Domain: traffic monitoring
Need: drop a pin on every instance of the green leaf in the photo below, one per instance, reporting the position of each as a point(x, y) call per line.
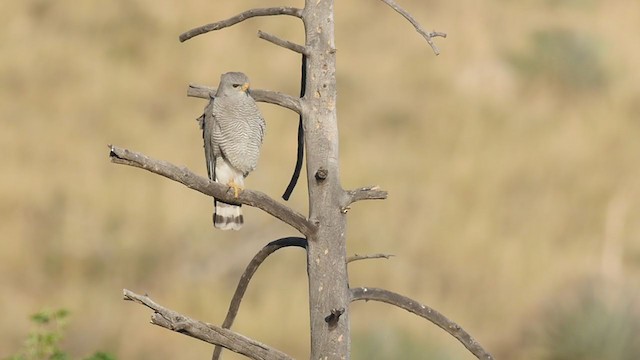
point(41, 317)
point(61, 314)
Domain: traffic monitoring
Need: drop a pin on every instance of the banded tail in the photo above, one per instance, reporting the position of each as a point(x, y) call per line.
point(227, 216)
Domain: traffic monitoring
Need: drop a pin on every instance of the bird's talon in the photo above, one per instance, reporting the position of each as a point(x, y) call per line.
point(236, 188)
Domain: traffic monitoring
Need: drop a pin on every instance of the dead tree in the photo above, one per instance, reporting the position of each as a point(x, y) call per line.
point(323, 230)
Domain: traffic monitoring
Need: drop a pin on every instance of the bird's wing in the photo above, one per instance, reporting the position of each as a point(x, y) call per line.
point(207, 124)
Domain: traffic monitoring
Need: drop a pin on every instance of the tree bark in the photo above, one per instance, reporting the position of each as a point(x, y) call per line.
point(329, 294)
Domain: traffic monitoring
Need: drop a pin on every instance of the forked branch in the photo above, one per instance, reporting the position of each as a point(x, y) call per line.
point(266, 96)
point(212, 334)
point(424, 311)
point(283, 10)
point(427, 35)
point(222, 192)
point(251, 269)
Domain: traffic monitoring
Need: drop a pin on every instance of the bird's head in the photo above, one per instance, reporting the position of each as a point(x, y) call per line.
point(233, 84)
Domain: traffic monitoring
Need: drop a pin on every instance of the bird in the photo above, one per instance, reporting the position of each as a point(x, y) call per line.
point(233, 130)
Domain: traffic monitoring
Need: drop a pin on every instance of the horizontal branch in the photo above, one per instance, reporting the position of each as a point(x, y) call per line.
point(357, 257)
point(283, 43)
point(424, 311)
point(212, 334)
point(283, 10)
point(251, 269)
point(266, 96)
point(367, 193)
point(363, 193)
point(222, 192)
point(427, 35)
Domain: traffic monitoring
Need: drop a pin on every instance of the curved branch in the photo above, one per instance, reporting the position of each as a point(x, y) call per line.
point(221, 192)
point(212, 334)
point(424, 311)
point(257, 260)
point(300, 150)
point(282, 10)
point(427, 35)
point(266, 96)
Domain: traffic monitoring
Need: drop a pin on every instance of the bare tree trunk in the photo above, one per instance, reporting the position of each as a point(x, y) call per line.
point(326, 254)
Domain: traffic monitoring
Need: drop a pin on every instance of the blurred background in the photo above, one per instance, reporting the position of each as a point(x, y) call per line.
point(511, 161)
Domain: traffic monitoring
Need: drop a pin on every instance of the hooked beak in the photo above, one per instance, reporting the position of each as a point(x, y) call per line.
point(245, 87)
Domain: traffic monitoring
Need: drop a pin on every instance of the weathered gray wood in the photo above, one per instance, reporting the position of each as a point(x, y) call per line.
point(282, 43)
point(424, 311)
point(283, 10)
point(220, 191)
point(212, 334)
point(326, 251)
point(267, 96)
point(358, 257)
point(427, 35)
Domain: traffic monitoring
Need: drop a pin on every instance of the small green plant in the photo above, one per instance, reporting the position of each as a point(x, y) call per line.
point(43, 343)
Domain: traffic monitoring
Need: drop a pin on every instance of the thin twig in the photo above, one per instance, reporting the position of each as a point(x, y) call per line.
point(251, 269)
point(282, 43)
point(222, 192)
point(357, 257)
point(427, 35)
point(266, 96)
point(282, 10)
point(212, 334)
point(424, 311)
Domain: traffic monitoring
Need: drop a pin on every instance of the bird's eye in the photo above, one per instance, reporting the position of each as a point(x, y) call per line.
point(236, 85)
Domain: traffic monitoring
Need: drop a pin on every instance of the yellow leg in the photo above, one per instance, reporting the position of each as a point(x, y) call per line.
point(236, 188)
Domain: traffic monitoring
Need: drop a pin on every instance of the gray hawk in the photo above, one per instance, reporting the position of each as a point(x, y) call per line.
point(233, 130)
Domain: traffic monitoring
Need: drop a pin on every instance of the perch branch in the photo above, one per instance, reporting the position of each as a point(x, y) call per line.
point(424, 311)
point(257, 260)
point(212, 334)
point(267, 96)
point(283, 43)
point(222, 192)
point(283, 10)
point(357, 257)
point(427, 35)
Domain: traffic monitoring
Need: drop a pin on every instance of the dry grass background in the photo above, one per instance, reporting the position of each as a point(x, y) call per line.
point(511, 161)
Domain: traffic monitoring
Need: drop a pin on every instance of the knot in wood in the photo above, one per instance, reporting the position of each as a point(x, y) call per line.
point(322, 174)
point(332, 319)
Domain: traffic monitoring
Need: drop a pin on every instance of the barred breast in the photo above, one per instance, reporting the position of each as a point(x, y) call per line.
point(239, 131)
